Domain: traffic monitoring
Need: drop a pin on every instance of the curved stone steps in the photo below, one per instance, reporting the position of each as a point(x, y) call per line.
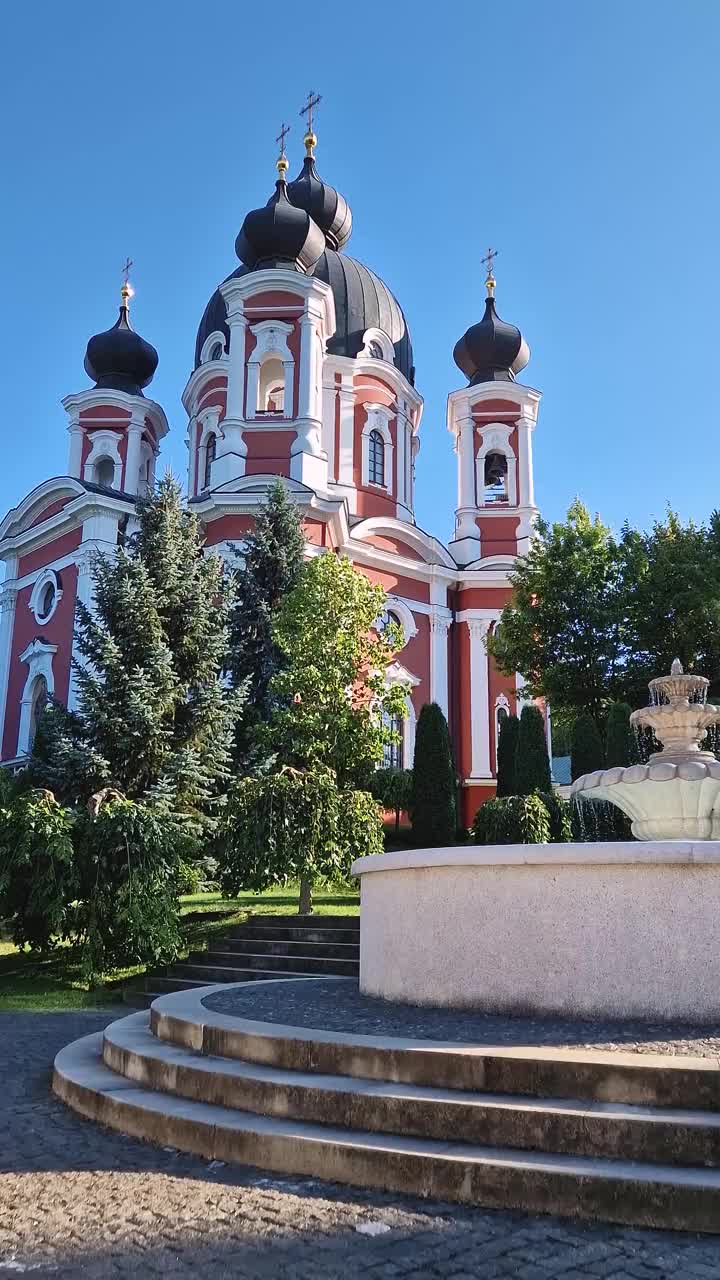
point(639, 1079)
point(552, 1125)
point(617, 1191)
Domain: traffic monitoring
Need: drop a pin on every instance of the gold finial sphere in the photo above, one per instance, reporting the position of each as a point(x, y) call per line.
point(310, 142)
point(282, 165)
point(490, 285)
point(126, 293)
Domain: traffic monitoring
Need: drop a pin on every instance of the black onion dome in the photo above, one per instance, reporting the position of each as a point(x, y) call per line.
point(119, 358)
point(279, 235)
point(491, 351)
point(362, 301)
point(325, 205)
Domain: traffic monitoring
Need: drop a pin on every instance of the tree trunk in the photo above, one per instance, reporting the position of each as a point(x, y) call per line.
point(305, 905)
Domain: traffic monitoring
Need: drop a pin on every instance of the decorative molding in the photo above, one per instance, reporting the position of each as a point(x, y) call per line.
point(39, 658)
point(394, 604)
point(380, 337)
point(378, 419)
point(211, 341)
point(46, 578)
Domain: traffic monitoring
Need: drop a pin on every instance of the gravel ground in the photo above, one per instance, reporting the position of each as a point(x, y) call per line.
point(339, 1006)
point(78, 1202)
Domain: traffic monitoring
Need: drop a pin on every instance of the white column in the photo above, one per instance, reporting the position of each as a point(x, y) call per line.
point(347, 430)
point(401, 437)
point(307, 367)
point(236, 367)
point(439, 628)
point(525, 462)
point(479, 698)
point(133, 454)
point(289, 388)
point(8, 600)
point(467, 498)
point(76, 443)
point(251, 394)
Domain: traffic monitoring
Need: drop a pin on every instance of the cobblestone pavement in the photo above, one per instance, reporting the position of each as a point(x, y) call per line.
point(338, 1006)
point(78, 1202)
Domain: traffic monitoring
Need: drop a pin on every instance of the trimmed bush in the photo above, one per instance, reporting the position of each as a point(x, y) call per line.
point(588, 753)
point(392, 788)
point(432, 800)
point(532, 763)
point(620, 746)
point(512, 820)
point(506, 753)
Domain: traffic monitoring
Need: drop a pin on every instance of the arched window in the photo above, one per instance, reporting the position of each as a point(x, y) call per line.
point(502, 711)
point(105, 473)
point(376, 458)
point(39, 702)
point(271, 385)
point(496, 478)
point(375, 350)
point(210, 452)
point(216, 353)
point(393, 751)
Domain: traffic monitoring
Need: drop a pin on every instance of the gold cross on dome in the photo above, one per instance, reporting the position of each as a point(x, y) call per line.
point(312, 101)
point(128, 263)
point(126, 291)
point(489, 262)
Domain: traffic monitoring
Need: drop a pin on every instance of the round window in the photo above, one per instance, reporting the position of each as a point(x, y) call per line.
point(47, 600)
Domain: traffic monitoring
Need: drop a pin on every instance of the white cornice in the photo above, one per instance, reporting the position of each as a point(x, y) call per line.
point(72, 516)
point(204, 373)
point(380, 369)
point(136, 406)
point(431, 550)
point(461, 403)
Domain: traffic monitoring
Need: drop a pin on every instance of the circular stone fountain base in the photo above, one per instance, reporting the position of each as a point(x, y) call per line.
point(626, 930)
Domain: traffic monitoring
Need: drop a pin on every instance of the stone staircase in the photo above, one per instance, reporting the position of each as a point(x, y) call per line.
point(263, 948)
point(621, 1137)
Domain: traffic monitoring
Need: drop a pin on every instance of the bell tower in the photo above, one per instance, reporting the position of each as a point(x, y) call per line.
point(492, 421)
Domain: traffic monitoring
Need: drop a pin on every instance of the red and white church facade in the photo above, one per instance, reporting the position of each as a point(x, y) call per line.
point(303, 369)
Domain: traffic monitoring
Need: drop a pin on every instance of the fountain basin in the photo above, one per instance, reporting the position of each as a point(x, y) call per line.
point(666, 800)
point(588, 930)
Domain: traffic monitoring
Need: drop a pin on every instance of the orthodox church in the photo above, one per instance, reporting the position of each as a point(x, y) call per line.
point(303, 369)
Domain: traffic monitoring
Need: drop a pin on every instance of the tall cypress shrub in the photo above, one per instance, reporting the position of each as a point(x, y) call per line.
point(433, 787)
point(506, 751)
point(588, 753)
point(532, 763)
point(620, 746)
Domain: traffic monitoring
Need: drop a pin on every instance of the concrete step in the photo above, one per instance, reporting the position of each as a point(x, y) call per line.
point(614, 1190)
point(274, 947)
point(639, 1079)
point(206, 974)
point(569, 1126)
point(163, 982)
point(286, 963)
point(245, 932)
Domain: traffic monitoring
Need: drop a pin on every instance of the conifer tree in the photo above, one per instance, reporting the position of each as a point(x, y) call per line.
point(532, 763)
point(154, 719)
point(269, 563)
point(588, 753)
point(506, 752)
point(434, 783)
point(620, 748)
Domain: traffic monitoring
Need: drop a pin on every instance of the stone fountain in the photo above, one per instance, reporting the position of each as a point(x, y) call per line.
point(676, 795)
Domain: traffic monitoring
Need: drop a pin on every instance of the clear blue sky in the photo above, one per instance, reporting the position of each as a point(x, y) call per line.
point(579, 138)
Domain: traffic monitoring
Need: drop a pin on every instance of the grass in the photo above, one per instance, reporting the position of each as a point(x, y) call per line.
point(42, 985)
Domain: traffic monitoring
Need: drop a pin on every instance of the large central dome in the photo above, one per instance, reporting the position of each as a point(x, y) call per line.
point(362, 301)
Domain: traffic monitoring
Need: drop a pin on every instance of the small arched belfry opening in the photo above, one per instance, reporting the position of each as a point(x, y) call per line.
point(210, 455)
point(495, 476)
point(271, 386)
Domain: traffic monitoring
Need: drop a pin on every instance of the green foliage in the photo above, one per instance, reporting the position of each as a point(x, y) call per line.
point(332, 703)
point(39, 877)
point(102, 878)
point(560, 817)
point(294, 826)
point(434, 783)
point(562, 629)
point(392, 788)
point(512, 820)
point(155, 720)
point(506, 755)
point(620, 745)
point(269, 563)
point(588, 753)
point(532, 763)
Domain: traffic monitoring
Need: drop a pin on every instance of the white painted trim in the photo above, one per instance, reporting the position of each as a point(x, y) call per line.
point(39, 658)
point(440, 623)
point(383, 341)
point(212, 340)
point(496, 439)
point(502, 703)
point(100, 397)
point(479, 696)
point(396, 604)
point(46, 577)
point(104, 444)
point(377, 419)
point(8, 602)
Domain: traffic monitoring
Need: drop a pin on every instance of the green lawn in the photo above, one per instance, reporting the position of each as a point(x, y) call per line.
point(41, 985)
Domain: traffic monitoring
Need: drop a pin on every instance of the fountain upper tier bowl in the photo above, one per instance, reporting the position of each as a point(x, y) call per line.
point(676, 796)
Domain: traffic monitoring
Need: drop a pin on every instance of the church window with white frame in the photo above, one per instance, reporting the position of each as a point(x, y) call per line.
point(376, 458)
point(496, 478)
point(210, 453)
